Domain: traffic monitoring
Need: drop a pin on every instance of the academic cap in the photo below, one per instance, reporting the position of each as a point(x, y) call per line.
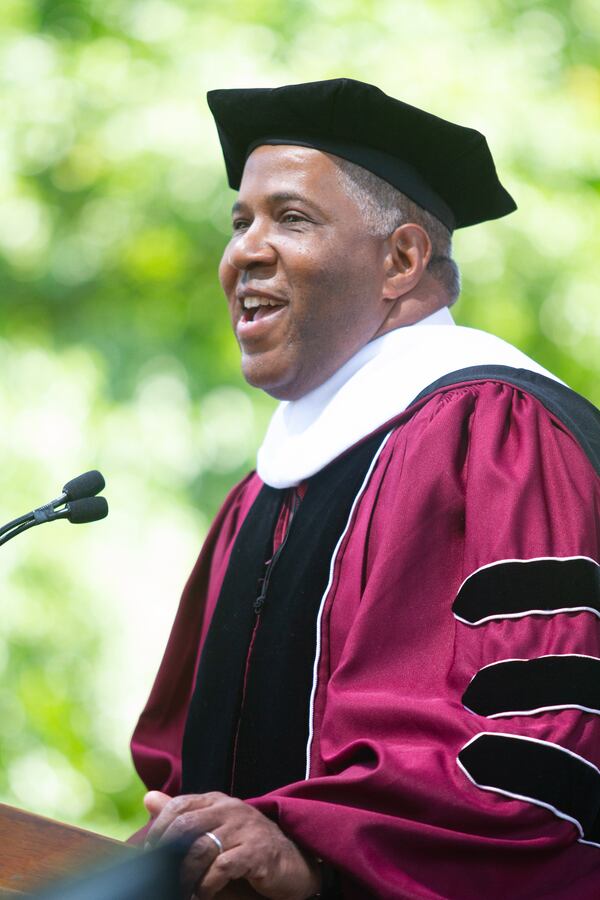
point(445, 168)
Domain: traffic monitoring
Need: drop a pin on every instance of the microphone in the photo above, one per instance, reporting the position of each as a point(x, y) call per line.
point(78, 501)
point(88, 509)
point(87, 485)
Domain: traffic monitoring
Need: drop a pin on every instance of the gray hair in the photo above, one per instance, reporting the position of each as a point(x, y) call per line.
point(384, 208)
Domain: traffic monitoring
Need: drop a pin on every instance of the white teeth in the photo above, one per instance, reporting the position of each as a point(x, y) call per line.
point(253, 301)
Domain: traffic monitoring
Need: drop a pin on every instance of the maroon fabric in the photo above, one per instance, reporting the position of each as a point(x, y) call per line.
point(291, 502)
point(473, 475)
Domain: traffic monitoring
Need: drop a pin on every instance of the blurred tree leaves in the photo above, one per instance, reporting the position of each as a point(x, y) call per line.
point(115, 347)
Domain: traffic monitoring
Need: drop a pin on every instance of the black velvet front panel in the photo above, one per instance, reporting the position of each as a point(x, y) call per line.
point(209, 738)
point(272, 722)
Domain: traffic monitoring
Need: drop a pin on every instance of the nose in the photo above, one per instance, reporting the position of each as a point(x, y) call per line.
point(251, 249)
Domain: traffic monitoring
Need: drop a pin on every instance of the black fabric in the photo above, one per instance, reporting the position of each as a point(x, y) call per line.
point(538, 772)
point(575, 412)
point(513, 588)
point(391, 169)
point(445, 168)
point(209, 739)
point(271, 718)
point(331, 887)
point(524, 685)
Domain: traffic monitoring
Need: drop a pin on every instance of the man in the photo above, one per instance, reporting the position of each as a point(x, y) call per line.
point(383, 677)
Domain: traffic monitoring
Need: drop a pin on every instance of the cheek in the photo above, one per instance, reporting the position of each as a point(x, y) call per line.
point(330, 286)
point(339, 311)
point(227, 274)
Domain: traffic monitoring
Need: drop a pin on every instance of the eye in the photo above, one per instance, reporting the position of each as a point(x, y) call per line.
point(238, 224)
point(293, 217)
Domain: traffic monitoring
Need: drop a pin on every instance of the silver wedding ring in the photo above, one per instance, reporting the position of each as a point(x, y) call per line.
point(215, 841)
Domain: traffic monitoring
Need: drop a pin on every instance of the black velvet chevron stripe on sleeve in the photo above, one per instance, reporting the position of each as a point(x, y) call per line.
point(538, 772)
point(514, 588)
point(526, 686)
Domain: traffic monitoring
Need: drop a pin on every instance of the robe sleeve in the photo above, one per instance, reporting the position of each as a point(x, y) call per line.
point(456, 741)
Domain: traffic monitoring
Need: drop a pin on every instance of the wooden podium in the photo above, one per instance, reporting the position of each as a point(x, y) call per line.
point(35, 851)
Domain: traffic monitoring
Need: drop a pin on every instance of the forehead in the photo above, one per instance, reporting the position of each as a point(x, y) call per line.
point(269, 168)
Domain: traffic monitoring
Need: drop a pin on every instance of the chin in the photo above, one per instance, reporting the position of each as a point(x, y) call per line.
point(279, 382)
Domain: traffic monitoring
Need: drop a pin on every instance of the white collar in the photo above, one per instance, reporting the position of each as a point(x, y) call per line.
point(375, 385)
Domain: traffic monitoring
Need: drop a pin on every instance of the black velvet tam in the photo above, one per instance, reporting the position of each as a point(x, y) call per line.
point(445, 168)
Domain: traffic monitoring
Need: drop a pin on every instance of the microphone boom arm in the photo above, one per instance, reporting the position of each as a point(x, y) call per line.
point(17, 531)
point(78, 499)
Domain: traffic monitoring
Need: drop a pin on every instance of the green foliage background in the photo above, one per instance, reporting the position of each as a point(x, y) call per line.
point(114, 341)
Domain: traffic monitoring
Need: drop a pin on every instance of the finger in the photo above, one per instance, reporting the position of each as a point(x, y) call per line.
point(189, 826)
point(228, 866)
point(154, 801)
point(175, 807)
point(200, 856)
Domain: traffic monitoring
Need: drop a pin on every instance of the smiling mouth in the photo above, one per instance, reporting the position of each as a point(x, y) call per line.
point(255, 308)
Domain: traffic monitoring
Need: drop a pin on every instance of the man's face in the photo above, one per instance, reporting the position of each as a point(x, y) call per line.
point(299, 249)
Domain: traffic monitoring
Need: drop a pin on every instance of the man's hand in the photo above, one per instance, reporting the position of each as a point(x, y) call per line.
point(254, 847)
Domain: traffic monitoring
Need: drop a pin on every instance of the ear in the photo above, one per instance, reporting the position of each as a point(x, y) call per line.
point(409, 252)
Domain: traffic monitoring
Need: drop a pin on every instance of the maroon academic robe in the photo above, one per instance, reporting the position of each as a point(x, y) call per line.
point(471, 478)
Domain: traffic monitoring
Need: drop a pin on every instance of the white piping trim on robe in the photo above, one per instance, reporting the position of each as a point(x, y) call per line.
point(523, 797)
point(527, 612)
point(311, 708)
point(533, 712)
point(376, 384)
